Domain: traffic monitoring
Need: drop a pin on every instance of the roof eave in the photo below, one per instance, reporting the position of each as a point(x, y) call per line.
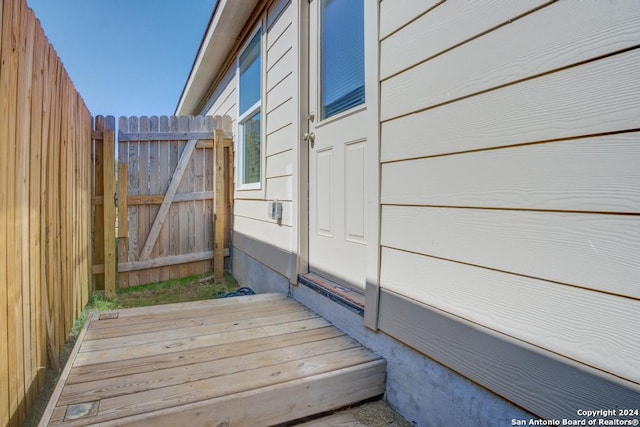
point(227, 21)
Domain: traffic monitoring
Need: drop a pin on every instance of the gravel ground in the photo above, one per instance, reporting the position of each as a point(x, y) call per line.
point(376, 413)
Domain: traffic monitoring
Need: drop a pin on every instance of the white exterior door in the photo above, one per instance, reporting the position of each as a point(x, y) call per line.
point(337, 142)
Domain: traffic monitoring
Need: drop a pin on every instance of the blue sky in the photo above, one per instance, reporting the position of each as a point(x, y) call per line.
point(126, 57)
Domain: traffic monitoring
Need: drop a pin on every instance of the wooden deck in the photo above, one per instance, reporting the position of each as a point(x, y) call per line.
point(257, 360)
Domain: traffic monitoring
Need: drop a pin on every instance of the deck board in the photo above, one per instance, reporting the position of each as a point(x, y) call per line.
point(233, 360)
point(198, 318)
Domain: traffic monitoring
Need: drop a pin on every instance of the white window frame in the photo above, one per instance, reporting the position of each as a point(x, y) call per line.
point(242, 118)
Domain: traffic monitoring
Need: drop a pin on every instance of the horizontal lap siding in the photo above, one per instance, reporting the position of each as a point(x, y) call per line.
point(280, 116)
point(251, 210)
point(399, 12)
point(536, 177)
point(280, 140)
point(280, 104)
point(281, 91)
point(500, 301)
point(594, 98)
point(280, 188)
point(573, 33)
point(442, 28)
point(280, 164)
point(226, 102)
point(565, 247)
point(509, 177)
point(597, 251)
point(264, 231)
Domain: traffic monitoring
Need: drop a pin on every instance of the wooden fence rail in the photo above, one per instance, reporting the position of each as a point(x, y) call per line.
point(45, 134)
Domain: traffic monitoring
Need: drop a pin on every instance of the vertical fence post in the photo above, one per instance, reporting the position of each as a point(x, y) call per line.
point(109, 181)
point(97, 218)
point(220, 215)
point(229, 188)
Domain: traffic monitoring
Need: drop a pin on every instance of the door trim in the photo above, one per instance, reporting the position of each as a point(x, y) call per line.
point(372, 204)
point(372, 134)
point(302, 181)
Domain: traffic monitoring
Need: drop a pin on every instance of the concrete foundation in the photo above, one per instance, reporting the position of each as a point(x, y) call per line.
point(249, 272)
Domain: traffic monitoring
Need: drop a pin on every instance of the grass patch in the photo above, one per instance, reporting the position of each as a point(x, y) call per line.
point(192, 288)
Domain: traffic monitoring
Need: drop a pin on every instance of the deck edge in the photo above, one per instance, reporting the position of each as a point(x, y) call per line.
point(371, 374)
point(57, 391)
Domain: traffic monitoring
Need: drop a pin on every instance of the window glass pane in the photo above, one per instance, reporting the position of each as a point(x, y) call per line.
point(251, 149)
point(250, 74)
point(342, 41)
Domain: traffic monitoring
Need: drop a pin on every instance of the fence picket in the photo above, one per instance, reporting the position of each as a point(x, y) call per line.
point(199, 205)
point(123, 239)
point(98, 191)
point(174, 211)
point(109, 208)
point(184, 123)
point(169, 198)
point(14, 329)
point(208, 186)
point(154, 274)
point(219, 212)
point(133, 180)
point(163, 185)
point(44, 195)
point(176, 182)
point(191, 205)
point(143, 189)
point(36, 196)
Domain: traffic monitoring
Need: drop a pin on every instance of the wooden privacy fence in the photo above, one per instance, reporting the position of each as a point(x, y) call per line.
point(173, 174)
point(44, 208)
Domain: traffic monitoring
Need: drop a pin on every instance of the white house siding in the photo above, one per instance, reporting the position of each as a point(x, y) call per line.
point(510, 191)
point(226, 98)
point(255, 234)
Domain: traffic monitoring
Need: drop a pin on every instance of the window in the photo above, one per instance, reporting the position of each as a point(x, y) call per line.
point(249, 123)
point(342, 38)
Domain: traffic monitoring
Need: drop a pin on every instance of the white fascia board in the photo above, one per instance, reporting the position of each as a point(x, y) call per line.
point(223, 31)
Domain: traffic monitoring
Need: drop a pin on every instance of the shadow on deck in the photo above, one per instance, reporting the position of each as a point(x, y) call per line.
point(255, 360)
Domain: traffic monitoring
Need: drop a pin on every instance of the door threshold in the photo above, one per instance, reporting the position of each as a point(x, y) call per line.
point(335, 292)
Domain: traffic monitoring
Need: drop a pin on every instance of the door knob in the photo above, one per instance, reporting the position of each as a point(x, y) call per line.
point(310, 138)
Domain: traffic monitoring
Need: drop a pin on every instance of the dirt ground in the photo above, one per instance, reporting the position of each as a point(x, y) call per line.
point(33, 417)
